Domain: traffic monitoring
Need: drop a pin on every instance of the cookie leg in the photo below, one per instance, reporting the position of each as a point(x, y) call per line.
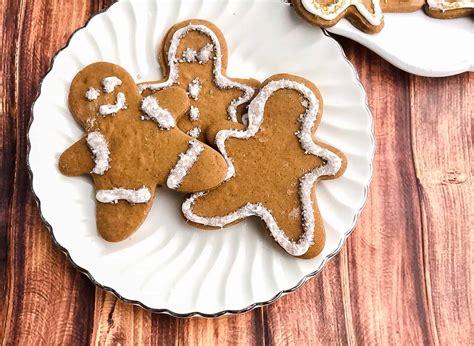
point(288, 214)
point(117, 222)
point(213, 209)
point(76, 160)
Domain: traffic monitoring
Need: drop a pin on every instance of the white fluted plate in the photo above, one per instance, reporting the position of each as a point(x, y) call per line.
point(419, 44)
point(167, 265)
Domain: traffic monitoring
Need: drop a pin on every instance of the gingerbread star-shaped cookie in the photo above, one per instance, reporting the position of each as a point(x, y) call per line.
point(274, 165)
point(194, 57)
point(132, 146)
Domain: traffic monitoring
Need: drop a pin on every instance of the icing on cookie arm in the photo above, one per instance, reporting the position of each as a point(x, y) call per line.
point(77, 160)
point(191, 172)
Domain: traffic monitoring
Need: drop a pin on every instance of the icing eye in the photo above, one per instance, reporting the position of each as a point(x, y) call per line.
point(189, 55)
point(204, 54)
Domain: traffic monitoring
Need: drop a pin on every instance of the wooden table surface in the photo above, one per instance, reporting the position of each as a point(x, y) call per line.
point(405, 276)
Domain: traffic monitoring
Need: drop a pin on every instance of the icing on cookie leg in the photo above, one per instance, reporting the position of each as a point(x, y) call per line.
point(194, 57)
point(132, 196)
point(273, 167)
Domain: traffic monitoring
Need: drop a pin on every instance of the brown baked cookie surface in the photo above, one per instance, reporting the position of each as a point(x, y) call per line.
point(366, 15)
point(194, 57)
point(131, 146)
point(448, 9)
point(274, 165)
point(400, 6)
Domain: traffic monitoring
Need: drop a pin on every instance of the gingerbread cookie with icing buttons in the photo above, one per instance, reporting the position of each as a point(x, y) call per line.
point(132, 145)
point(274, 165)
point(364, 14)
point(447, 9)
point(194, 57)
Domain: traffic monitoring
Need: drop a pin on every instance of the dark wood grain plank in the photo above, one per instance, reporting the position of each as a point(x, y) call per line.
point(9, 37)
point(375, 291)
point(442, 111)
point(245, 329)
point(313, 315)
point(388, 292)
point(45, 300)
point(118, 322)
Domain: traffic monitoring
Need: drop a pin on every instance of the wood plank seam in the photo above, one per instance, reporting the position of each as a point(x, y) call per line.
point(426, 281)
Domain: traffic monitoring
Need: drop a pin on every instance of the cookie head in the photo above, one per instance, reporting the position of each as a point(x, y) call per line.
point(196, 42)
point(98, 85)
point(194, 57)
point(274, 166)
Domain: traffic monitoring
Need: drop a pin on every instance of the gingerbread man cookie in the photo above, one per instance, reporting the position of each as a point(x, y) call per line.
point(194, 57)
point(273, 166)
point(446, 9)
point(132, 146)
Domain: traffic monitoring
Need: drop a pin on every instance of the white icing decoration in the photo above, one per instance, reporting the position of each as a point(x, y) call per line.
point(334, 10)
point(194, 113)
point(100, 149)
point(139, 196)
point(204, 54)
point(92, 94)
point(112, 109)
point(219, 79)
point(202, 57)
point(194, 132)
point(161, 116)
point(185, 163)
point(330, 168)
point(448, 6)
point(194, 89)
point(189, 55)
point(109, 84)
point(245, 119)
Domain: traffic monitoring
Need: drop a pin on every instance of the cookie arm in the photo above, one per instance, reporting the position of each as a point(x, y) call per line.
point(76, 160)
point(208, 171)
point(173, 99)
